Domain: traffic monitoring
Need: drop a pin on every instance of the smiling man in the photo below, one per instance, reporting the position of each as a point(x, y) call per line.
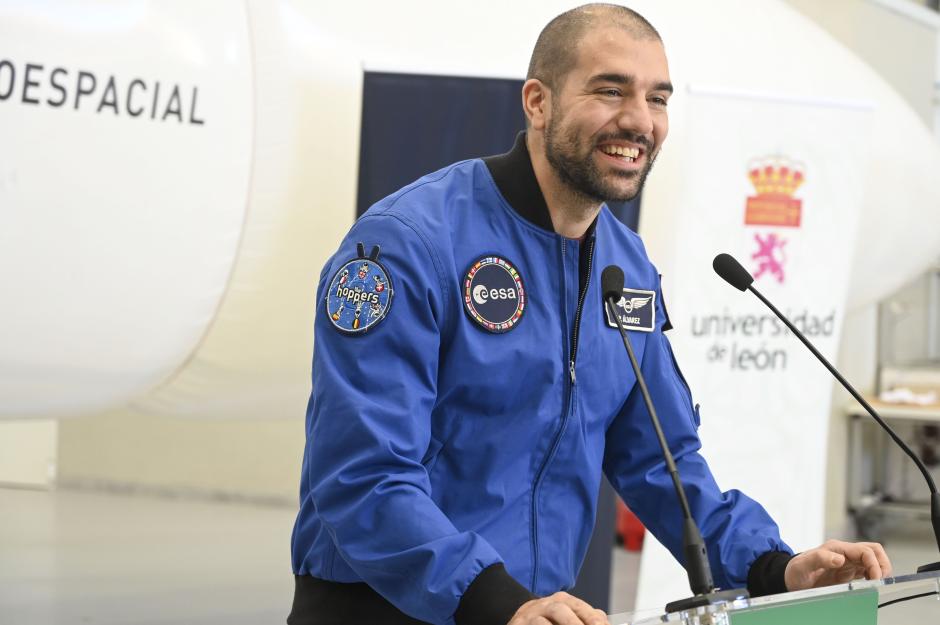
point(469, 392)
point(598, 137)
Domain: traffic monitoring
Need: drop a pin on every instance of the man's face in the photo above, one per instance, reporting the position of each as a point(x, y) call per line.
point(608, 118)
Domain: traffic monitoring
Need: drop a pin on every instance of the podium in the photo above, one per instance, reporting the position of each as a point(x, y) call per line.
point(855, 603)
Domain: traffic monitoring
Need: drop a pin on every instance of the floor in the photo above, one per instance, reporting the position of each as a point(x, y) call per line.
point(81, 558)
point(84, 558)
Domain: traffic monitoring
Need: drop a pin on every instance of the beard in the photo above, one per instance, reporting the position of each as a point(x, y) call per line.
point(573, 161)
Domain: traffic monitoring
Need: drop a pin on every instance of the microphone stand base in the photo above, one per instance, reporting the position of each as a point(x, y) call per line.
point(929, 567)
point(710, 598)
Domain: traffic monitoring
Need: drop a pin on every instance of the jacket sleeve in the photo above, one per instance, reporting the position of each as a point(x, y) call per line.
point(736, 529)
point(369, 428)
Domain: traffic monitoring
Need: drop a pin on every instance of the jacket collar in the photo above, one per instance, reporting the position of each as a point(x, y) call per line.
point(514, 177)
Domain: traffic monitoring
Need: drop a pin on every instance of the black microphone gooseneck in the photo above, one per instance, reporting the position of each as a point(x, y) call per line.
point(737, 276)
point(696, 556)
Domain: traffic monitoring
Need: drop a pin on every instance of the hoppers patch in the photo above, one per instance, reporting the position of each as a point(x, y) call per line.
point(493, 294)
point(360, 294)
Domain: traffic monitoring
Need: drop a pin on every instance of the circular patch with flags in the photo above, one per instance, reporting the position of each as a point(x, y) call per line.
point(493, 294)
point(360, 295)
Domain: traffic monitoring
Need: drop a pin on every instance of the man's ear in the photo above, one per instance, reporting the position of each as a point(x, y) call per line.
point(536, 103)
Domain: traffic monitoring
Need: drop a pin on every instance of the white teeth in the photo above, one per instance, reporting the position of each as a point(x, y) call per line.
point(630, 154)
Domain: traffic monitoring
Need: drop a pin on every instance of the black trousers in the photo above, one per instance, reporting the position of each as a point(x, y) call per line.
point(321, 602)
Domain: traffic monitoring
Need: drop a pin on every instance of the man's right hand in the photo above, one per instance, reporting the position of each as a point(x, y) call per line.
point(558, 609)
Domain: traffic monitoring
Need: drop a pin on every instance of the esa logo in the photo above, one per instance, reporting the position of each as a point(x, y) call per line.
point(493, 294)
point(482, 294)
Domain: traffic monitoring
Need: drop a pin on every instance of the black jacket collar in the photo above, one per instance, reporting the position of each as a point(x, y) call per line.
point(516, 180)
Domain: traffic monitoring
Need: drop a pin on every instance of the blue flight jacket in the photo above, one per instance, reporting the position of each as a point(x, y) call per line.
point(437, 448)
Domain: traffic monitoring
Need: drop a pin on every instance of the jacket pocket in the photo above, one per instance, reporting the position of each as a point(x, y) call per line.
point(693, 407)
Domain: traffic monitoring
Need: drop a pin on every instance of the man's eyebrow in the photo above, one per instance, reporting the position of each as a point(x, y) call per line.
point(663, 86)
point(627, 79)
point(617, 79)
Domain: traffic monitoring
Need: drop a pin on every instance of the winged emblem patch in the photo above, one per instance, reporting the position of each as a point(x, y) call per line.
point(629, 305)
point(636, 309)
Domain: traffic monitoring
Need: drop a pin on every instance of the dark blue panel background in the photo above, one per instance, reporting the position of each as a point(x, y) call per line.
point(414, 124)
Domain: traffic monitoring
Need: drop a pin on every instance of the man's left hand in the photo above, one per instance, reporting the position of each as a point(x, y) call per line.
point(837, 562)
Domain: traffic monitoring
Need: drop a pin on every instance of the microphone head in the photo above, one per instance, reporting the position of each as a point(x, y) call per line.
point(612, 282)
point(732, 272)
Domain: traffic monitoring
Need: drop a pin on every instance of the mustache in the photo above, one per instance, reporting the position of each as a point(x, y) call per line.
point(630, 137)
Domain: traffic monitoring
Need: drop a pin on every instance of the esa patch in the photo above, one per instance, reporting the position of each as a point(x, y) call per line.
point(360, 294)
point(493, 294)
point(636, 309)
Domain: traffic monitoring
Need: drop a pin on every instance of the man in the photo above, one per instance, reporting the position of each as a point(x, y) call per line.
point(457, 434)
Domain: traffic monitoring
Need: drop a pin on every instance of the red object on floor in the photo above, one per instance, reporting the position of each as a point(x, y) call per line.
point(629, 527)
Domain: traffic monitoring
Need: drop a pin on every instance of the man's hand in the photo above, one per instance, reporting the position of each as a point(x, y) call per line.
point(837, 562)
point(558, 609)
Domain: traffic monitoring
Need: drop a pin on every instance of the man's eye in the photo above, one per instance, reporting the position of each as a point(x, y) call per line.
point(613, 93)
point(659, 100)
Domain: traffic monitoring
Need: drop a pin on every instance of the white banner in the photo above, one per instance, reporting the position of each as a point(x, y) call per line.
point(775, 182)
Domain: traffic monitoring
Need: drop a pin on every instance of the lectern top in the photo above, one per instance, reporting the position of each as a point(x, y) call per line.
point(886, 589)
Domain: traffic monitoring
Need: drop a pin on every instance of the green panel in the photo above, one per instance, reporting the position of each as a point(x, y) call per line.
point(859, 607)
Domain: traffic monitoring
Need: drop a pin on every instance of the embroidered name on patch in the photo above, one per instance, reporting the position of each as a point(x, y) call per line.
point(493, 294)
point(636, 309)
point(360, 294)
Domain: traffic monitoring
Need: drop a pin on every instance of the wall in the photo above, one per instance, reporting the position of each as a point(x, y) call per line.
point(28, 453)
point(902, 49)
point(255, 460)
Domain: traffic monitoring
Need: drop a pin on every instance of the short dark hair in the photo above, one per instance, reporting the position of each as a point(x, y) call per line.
point(555, 51)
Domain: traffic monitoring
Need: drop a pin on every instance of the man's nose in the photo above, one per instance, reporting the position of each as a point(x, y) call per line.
point(635, 117)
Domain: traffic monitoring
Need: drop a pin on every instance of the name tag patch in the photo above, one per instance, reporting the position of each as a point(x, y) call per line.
point(636, 309)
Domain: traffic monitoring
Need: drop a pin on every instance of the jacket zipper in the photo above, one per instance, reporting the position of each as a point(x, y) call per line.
point(565, 415)
point(577, 314)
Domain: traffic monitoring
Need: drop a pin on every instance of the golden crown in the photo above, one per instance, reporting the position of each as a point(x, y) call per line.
point(776, 176)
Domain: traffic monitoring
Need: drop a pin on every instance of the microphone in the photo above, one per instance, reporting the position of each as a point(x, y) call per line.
point(737, 276)
point(696, 557)
point(732, 272)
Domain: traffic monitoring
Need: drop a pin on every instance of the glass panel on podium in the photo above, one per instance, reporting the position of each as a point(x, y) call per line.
point(855, 603)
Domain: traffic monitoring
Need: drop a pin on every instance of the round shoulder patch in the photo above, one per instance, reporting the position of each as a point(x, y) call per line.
point(493, 294)
point(360, 295)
